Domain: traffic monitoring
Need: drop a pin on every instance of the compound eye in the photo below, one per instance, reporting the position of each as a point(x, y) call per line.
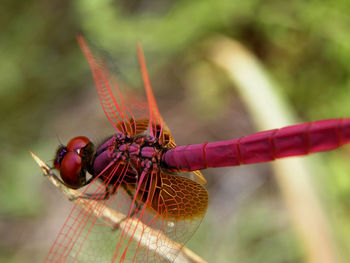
point(70, 170)
point(77, 143)
point(73, 161)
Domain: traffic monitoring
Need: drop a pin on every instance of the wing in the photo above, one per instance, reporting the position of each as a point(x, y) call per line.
point(132, 114)
point(174, 196)
point(173, 206)
point(79, 231)
point(128, 117)
point(158, 128)
point(163, 209)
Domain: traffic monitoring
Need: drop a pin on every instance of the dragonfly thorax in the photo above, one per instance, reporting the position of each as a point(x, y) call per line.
point(137, 151)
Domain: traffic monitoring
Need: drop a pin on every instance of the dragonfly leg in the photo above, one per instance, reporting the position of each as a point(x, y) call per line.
point(95, 197)
point(109, 191)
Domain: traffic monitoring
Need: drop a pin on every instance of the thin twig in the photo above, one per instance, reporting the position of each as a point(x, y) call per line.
point(141, 233)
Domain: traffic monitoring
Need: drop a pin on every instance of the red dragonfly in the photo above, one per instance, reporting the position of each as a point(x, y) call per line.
point(140, 172)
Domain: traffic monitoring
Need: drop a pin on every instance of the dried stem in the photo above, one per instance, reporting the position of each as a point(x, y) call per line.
point(138, 231)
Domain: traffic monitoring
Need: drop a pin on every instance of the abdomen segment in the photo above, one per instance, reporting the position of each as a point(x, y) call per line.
point(300, 139)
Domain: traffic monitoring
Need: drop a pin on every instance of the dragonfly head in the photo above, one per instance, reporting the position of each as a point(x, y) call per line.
point(74, 160)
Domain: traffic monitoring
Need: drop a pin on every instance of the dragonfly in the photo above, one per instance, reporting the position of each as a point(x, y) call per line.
point(140, 172)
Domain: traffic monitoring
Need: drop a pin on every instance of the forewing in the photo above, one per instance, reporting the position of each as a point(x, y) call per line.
point(140, 126)
point(123, 112)
point(158, 127)
point(128, 112)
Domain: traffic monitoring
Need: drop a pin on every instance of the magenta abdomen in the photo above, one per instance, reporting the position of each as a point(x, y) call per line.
point(300, 139)
point(257, 148)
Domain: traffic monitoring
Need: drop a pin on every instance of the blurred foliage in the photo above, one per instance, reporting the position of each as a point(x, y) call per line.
point(305, 46)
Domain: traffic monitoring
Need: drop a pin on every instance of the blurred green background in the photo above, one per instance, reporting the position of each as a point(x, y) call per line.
point(47, 95)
